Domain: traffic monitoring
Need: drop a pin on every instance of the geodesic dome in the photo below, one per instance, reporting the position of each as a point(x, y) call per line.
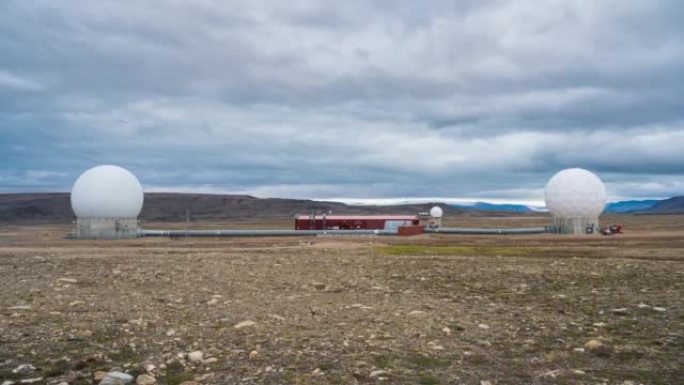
point(107, 192)
point(575, 193)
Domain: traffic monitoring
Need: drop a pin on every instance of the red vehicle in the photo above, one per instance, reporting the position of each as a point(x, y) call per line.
point(354, 222)
point(611, 229)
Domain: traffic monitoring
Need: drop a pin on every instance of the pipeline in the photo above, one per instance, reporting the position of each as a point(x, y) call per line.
point(464, 230)
point(311, 233)
point(259, 233)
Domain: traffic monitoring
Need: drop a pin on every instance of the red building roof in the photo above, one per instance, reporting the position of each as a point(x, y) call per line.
point(360, 217)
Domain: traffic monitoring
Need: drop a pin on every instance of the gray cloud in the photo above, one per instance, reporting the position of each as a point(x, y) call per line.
point(356, 99)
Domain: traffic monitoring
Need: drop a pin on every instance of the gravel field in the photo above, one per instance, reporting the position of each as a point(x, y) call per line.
point(419, 310)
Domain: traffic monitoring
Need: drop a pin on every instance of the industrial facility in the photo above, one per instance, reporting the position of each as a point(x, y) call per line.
point(354, 222)
point(107, 201)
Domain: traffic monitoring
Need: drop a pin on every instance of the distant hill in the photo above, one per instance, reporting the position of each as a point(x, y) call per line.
point(170, 206)
point(27, 207)
point(175, 207)
point(630, 206)
point(56, 207)
point(484, 206)
point(668, 206)
point(612, 207)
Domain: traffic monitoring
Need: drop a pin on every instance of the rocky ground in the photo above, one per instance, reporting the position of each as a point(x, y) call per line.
point(425, 310)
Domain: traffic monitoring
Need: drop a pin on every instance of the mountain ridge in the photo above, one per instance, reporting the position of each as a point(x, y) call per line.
point(674, 205)
point(628, 206)
point(486, 206)
point(179, 206)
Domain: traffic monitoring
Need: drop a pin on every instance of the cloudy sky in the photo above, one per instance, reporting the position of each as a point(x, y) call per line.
point(344, 99)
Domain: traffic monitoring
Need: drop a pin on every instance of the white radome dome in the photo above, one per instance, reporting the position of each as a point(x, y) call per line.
point(575, 193)
point(436, 212)
point(107, 192)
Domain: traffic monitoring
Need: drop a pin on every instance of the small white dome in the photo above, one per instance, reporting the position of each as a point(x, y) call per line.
point(107, 192)
point(436, 212)
point(575, 193)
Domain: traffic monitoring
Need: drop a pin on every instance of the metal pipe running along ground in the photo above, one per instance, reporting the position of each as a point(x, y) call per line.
point(509, 231)
point(311, 233)
point(259, 233)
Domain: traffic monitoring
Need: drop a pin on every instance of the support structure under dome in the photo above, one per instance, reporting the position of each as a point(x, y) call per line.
point(106, 228)
point(583, 225)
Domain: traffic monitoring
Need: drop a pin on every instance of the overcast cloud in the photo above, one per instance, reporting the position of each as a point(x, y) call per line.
point(351, 99)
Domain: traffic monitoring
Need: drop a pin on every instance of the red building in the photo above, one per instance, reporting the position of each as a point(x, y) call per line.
point(354, 222)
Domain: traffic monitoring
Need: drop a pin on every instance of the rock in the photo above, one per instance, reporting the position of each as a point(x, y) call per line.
point(578, 372)
point(253, 354)
point(20, 307)
point(361, 364)
point(318, 372)
point(170, 333)
point(620, 311)
point(318, 285)
point(245, 324)
point(212, 302)
point(189, 383)
point(98, 376)
point(378, 374)
point(643, 306)
point(31, 380)
point(23, 369)
point(150, 368)
point(7, 382)
point(659, 309)
point(483, 326)
point(145, 379)
point(550, 374)
point(195, 356)
point(71, 338)
point(417, 313)
point(204, 377)
point(597, 347)
point(485, 383)
point(117, 378)
point(446, 330)
point(76, 303)
point(592, 345)
point(210, 360)
point(67, 280)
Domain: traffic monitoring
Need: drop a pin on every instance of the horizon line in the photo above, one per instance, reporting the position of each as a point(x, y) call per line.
point(363, 201)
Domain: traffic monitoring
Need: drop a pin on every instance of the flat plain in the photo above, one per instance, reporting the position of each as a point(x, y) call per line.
point(429, 309)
